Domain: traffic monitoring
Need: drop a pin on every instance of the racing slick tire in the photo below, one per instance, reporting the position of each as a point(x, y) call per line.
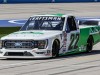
point(55, 48)
point(89, 46)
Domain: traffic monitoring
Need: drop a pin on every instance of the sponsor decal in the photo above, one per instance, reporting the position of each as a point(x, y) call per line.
point(18, 44)
point(65, 38)
point(48, 52)
point(82, 47)
point(64, 42)
point(94, 30)
point(64, 50)
point(61, 36)
point(28, 33)
point(45, 18)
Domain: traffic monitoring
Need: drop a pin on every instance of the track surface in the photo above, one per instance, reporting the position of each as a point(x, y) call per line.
point(78, 64)
point(23, 11)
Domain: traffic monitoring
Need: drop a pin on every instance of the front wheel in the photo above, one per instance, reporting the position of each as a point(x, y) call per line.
point(89, 44)
point(55, 49)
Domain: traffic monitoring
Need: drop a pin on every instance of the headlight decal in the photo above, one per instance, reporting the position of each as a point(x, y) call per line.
point(40, 44)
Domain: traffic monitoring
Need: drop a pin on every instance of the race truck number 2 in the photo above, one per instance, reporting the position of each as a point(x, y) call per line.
point(74, 38)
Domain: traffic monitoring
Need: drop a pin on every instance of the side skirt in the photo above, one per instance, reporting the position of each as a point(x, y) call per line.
point(72, 52)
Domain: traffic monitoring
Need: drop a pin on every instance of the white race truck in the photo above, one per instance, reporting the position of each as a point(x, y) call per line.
point(45, 36)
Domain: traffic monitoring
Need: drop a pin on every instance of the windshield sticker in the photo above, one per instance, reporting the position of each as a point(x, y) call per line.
point(45, 18)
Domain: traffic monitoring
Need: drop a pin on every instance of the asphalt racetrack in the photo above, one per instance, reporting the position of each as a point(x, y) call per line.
point(77, 64)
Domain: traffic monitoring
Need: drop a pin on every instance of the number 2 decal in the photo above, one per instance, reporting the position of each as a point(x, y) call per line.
point(74, 40)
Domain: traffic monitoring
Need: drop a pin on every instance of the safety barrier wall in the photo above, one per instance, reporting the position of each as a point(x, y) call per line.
point(1, 1)
point(45, 1)
point(26, 1)
point(76, 1)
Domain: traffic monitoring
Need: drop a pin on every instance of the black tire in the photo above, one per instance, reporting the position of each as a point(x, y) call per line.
point(89, 44)
point(55, 49)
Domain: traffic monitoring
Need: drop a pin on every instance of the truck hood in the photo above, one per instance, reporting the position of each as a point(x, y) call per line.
point(31, 34)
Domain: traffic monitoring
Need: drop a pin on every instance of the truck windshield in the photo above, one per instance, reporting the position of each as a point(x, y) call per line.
point(44, 23)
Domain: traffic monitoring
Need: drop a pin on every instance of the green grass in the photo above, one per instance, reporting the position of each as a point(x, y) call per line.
point(7, 30)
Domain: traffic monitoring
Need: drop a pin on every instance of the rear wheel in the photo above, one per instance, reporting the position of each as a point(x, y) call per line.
point(55, 49)
point(89, 44)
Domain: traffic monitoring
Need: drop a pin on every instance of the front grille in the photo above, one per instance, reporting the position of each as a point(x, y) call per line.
point(18, 54)
point(18, 44)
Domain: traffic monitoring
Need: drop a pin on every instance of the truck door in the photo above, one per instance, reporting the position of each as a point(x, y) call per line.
point(73, 32)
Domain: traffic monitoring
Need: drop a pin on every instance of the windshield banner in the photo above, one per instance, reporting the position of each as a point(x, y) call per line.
point(45, 18)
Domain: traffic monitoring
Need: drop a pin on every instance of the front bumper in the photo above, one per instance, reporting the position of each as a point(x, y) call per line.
point(34, 53)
